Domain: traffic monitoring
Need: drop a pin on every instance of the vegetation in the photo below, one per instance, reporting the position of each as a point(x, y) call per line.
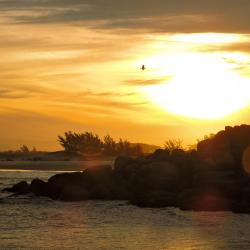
point(23, 153)
point(89, 143)
point(171, 145)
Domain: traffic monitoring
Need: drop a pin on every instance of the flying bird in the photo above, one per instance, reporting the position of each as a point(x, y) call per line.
point(143, 67)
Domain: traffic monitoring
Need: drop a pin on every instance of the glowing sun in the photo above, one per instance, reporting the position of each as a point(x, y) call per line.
point(202, 86)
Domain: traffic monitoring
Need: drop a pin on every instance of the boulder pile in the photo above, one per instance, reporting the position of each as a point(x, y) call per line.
point(215, 177)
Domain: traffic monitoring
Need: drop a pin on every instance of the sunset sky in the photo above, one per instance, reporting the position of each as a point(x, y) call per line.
point(75, 65)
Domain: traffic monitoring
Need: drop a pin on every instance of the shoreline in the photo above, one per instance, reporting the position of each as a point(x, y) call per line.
point(51, 165)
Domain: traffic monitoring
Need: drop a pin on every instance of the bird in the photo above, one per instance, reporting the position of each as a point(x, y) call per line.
point(143, 67)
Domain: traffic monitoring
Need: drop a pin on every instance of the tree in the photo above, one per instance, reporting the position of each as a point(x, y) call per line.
point(123, 147)
point(172, 145)
point(109, 145)
point(79, 143)
point(24, 149)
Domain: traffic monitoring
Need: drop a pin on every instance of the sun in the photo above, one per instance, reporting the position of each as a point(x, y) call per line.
point(201, 86)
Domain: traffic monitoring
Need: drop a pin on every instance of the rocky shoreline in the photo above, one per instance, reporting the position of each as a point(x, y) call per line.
point(211, 178)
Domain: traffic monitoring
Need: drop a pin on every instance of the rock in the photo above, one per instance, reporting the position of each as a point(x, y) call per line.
point(155, 199)
point(241, 207)
point(19, 188)
point(73, 193)
point(101, 192)
point(67, 179)
point(161, 176)
point(98, 174)
point(58, 182)
point(39, 187)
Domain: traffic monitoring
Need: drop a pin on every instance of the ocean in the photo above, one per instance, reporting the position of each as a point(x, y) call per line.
point(28, 222)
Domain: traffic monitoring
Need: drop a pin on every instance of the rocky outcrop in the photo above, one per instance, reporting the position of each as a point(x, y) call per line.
point(212, 178)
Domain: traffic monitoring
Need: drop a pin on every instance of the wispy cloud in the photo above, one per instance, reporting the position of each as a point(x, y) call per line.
point(142, 15)
point(11, 94)
point(90, 93)
point(156, 81)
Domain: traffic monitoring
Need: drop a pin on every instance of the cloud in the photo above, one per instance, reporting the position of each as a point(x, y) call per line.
point(139, 82)
point(90, 93)
point(239, 47)
point(144, 15)
point(12, 94)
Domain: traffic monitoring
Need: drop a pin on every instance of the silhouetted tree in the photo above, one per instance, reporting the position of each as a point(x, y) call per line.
point(123, 147)
point(109, 145)
point(79, 143)
point(172, 145)
point(24, 149)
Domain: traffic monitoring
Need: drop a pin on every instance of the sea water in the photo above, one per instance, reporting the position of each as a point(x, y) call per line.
point(36, 222)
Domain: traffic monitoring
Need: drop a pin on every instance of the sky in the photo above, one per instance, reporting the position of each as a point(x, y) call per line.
point(76, 65)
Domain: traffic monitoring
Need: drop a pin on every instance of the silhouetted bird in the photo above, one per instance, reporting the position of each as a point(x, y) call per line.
point(143, 67)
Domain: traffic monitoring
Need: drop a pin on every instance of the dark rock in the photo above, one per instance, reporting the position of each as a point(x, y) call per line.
point(66, 179)
point(19, 188)
point(241, 207)
point(155, 199)
point(39, 187)
point(101, 192)
point(98, 174)
point(73, 193)
point(162, 175)
point(59, 181)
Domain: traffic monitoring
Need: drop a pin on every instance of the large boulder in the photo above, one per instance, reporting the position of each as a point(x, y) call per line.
point(66, 179)
point(39, 187)
point(73, 193)
point(161, 175)
point(59, 181)
point(97, 181)
point(98, 175)
point(226, 148)
point(101, 192)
